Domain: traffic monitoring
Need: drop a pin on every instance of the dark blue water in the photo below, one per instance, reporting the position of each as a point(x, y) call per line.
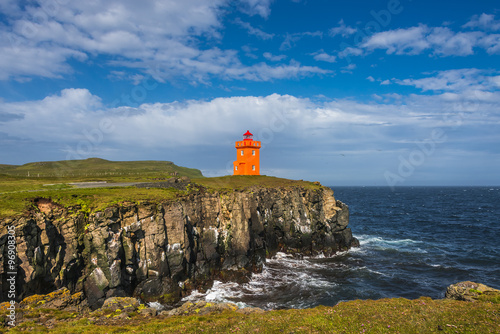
point(415, 241)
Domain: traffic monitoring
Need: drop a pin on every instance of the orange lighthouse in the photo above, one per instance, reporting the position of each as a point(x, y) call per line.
point(247, 156)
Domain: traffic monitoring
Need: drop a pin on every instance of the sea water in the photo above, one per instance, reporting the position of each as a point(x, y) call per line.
point(415, 241)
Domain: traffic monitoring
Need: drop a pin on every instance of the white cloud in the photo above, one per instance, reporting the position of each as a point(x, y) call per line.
point(256, 7)
point(271, 57)
point(440, 41)
point(342, 29)
point(140, 31)
point(495, 80)
point(291, 39)
point(10, 7)
point(73, 118)
point(483, 21)
point(299, 132)
point(264, 72)
point(55, 118)
point(253, 31)
point(162, 38)
point(446, 42)
point(349, 68)
point(21, 62)
point(460, 80)
point(399, 41)
point(75, 114)
point(491, 43)
point(323, 56)
point(350, 51)
point(370, 78)
point(249, 51)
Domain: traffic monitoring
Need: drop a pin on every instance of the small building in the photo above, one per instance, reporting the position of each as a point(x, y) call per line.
point(247, 156)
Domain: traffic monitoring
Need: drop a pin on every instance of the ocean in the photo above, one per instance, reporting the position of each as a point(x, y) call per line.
point(415, 241)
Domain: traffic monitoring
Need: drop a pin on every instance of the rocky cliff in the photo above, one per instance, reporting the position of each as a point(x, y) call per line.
point(159, 251)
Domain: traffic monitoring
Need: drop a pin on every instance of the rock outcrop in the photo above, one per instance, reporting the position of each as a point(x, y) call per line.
point(159, 251)
point(470, 291)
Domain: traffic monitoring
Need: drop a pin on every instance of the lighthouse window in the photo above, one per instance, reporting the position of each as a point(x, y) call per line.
point(241, 152)
point(253, 152)
point(235, 167)
point(253, 167)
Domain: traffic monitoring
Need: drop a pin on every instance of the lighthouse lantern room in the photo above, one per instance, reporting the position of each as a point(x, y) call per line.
point(247, 156)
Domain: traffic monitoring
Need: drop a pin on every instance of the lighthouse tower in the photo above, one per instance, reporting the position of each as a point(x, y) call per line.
point(247, 156)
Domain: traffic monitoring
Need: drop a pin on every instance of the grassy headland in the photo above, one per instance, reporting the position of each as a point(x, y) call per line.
point(20, 185)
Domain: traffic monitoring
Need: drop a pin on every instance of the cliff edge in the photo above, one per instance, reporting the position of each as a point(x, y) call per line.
point(161, 250)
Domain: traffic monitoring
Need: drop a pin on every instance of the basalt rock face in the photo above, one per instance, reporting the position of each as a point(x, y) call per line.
point(158, 251)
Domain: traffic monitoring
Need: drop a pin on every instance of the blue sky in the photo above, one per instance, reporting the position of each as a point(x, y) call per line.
point(382, 93)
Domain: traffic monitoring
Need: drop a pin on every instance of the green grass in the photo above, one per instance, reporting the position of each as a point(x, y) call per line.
point(88, 199)
point(397, 315)
point(241, 182)
point(20, 185)
point(17, 194)
point(98, 169)
point(51, 180)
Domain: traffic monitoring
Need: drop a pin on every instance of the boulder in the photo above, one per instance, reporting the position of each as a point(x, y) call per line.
point(125, 304)
point(201, 308)
point(164, 291)
point(58, 299)
point(470, 291)
point(148, 312)
point(95, 287)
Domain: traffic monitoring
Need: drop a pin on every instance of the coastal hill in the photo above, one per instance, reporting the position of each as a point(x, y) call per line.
point(98, 168)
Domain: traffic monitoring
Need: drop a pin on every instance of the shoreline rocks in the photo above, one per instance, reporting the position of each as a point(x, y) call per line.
point(62, 306)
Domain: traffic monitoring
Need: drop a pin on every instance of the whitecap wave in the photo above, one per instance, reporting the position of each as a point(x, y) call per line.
point(156, 305)
point(220, 292)
point(378, 243)
point(370, 239)
point(282, 275)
